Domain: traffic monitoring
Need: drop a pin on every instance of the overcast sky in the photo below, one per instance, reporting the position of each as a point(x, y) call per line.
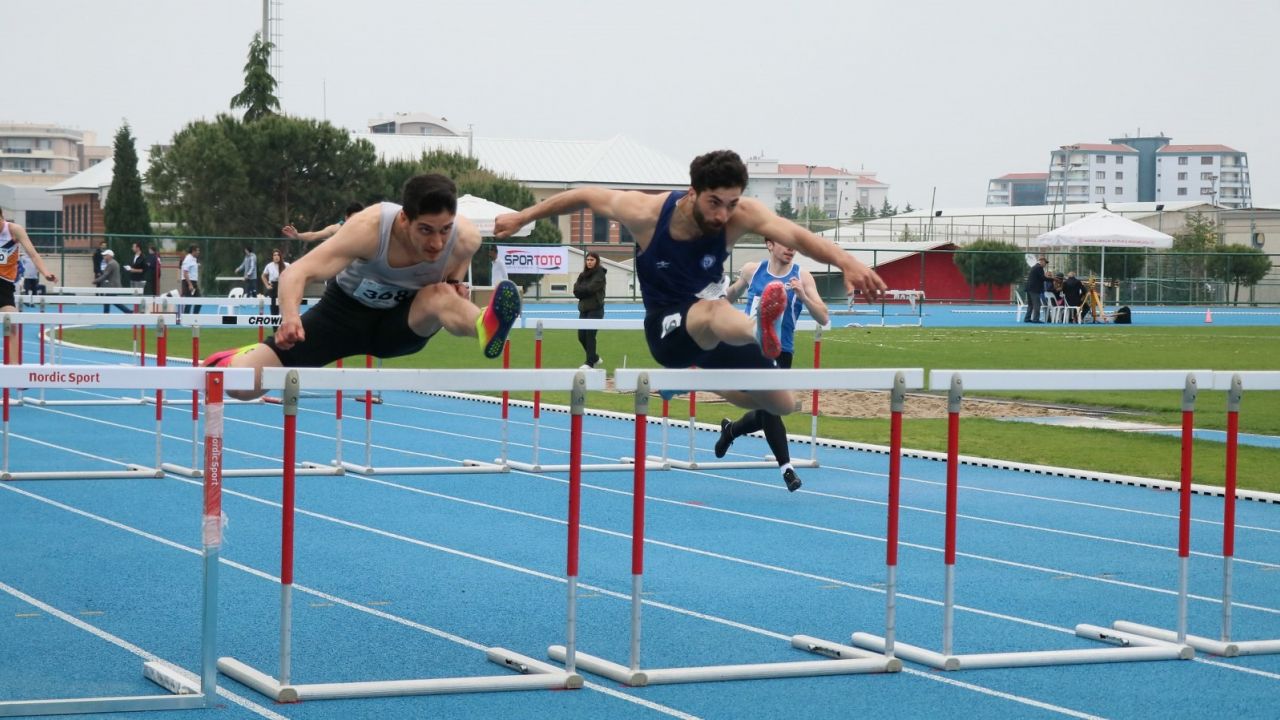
point(928, 94)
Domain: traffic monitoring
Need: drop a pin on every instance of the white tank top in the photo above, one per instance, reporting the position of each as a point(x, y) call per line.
point(378, 285)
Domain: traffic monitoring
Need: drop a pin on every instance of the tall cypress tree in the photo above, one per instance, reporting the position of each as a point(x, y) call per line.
point(258, 98)
point(126, 210)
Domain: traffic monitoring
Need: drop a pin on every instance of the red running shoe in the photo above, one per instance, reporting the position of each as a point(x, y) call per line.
point(773, 301)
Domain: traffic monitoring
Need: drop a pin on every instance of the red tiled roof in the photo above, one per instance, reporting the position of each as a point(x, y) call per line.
point(1087, 147)
point(1197, 149)
point(1024, 176)
point(794, 169)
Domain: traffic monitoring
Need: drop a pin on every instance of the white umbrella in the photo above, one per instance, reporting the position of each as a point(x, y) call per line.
point(482, 213)
point(1105, 229)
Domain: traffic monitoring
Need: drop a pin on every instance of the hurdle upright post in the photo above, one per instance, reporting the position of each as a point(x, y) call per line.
point(537, 395)
point(337, 415)
point(813, 408)
point(212, 535)
point(368, 418)
point(577, 407)
point(506, 401)
point(637, 515)
point(955, 399)
point(160, 362)
point(8, 331)
point(195, 395)
point(897, 403)
point(1184, 502)
point(1229, 501)
point(290, 405)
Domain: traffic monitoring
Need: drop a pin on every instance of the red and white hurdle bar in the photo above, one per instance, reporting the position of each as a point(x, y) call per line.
point(96, 320)
point(41, 377)
point(1234, 383)
point(186, 693)
point(1132, 646)
point(534, 674)
point(663, 461)
point(844, 659)
point(193, 470)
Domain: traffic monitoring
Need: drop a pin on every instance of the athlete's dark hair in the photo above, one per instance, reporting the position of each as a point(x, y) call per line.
point(352, 209)
point(718, 169)
point(428, 194)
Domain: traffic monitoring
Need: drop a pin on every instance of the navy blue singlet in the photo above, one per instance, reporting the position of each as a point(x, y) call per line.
point(673, 272)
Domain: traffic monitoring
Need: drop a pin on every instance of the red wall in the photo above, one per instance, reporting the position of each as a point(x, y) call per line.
point(941, 281)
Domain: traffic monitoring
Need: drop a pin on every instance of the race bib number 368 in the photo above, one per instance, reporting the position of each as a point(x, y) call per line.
point(378, 295)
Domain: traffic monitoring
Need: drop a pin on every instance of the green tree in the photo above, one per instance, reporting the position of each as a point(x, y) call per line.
point(990, 263)
point(258, 97)
point(908, 209)
point(887, 210)
point(1122, 263)
point(785, 209)
point(125, 212)
point(1240, 265)
point(861, 213)
point(1199, 235)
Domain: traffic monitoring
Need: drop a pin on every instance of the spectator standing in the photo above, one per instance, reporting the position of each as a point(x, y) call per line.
point(151, 272)
point(109, 277)
point(190, 271)
point(589, 289)
point(1034, 288)
point(271, 279)
point(248, 269)
point(137, 267)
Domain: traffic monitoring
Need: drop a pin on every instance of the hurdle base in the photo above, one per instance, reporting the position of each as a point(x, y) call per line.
point(652, 463)
point(721, 464)
point(1229, 648)
point(717, 673)
point(796, 462)
point(184, 689)
point(535, 676)
point(305, 468)
point(468, 467)
point(586, 467)
point(133, 471)
point(39, 402)
point(1132, 648)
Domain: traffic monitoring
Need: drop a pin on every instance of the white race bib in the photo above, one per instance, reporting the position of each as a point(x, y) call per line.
point(377, 295)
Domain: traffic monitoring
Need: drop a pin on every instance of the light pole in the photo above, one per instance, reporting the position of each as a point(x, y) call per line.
point(808, 195)
point(1067, 151)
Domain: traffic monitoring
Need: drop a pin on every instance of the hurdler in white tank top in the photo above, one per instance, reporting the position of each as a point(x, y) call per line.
point(376, 284)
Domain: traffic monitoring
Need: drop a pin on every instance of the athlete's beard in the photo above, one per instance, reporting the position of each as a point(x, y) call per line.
point(705, 227)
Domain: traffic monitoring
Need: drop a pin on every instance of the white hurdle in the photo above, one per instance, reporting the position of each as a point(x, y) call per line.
point(769, 461)
point(1132, 647)
point(535, 465)
point(184, 694)
point(1224, 645)
point(844, 659)
point(94, 320)
point(534, 674)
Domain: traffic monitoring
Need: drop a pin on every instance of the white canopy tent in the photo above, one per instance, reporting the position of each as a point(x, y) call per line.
point(483, 212)
point(1105, 229)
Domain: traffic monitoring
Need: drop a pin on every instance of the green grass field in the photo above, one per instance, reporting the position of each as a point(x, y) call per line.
point(1102, 347)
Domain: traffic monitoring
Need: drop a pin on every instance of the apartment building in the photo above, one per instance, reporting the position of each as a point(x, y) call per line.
point(1017, 189)
point(836, 191)
point(1092, 173)
point(38, 154)
point(1215, 173)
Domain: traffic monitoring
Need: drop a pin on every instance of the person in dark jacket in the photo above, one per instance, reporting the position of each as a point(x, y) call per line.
point(1073, 293)
point(589, 289)
point(1035, 290)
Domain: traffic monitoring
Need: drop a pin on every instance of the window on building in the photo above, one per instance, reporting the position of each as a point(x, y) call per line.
point(1119, 190)
point(1182, 160)
point(599, 228)
point(1100, 159)
point(1100, 190)
point(1100, 175)
point(1182, 191)
point(1119, 175)
point(1119, 159)
point(1182, 176)
point(1206, 159)
point(1206, 176)
point(1206, 191)
point(624, 235)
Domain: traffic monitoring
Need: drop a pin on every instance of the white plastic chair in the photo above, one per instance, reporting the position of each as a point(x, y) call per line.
point(236, 292)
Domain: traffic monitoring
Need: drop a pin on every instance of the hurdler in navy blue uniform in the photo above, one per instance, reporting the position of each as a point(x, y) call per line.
point(684, 238)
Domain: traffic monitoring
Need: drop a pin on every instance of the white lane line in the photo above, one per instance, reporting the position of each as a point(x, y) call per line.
point(123, 644)
point(327, 596)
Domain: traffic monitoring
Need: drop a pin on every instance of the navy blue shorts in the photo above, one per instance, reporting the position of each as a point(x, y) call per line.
point(673, 347)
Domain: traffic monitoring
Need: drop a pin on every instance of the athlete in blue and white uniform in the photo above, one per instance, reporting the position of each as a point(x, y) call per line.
point(684, 238)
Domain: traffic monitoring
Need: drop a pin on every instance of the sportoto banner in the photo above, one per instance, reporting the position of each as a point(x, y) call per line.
point(534, 260)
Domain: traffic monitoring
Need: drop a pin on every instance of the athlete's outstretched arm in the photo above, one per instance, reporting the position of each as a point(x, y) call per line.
point(356, 239)
point(755, 217)
point(633, 209)
point(20, 233)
